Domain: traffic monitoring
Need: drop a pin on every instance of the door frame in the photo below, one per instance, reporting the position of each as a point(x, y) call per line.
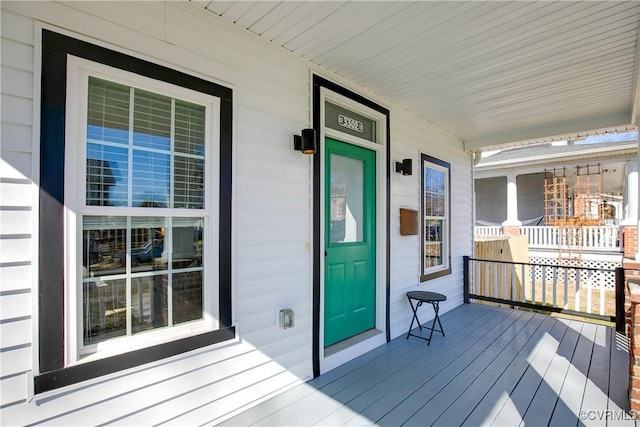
point(324, 90)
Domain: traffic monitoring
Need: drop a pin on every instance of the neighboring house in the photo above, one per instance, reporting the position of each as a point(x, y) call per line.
point(611, 164)
point(167, 255)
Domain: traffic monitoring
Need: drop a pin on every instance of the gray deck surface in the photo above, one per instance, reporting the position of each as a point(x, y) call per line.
point(494, 367)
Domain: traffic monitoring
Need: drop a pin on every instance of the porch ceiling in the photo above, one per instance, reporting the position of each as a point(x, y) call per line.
point(492, 73)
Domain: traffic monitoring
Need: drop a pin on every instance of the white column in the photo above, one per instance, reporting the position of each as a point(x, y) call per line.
point(631, 196)
point(512, 202)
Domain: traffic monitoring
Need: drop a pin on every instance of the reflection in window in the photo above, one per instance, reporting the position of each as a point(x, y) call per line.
point(104, 310)
point(141, 273)
point(153, 159)
point(347, 199)
point(435, 223)
point(158, 258)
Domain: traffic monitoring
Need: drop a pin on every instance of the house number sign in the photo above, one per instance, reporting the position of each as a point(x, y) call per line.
point(350, 123)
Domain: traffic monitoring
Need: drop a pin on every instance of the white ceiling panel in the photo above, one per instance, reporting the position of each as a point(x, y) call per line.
point(493, 73)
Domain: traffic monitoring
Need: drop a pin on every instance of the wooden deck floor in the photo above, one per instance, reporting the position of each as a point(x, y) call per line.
point(494, 367)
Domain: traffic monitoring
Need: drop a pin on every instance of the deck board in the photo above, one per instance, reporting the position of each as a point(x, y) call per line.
point(570, 397)
point(495, 366)
point(436, 373)
point(481, 372)
point(397, 374)
point(544, 401)
point(494, 380)
point(489, 405)
point(597, 386)
point(520, 398)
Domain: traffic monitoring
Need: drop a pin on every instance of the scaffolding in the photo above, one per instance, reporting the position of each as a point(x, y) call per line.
point(555, 195)
point(571, 208)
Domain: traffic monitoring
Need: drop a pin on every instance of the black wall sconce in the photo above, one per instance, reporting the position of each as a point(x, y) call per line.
point(406, 167)
point(305, 143)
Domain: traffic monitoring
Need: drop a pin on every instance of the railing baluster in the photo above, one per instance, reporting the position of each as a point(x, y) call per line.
point(566, 287)
point(589, 290)
point(484, 284)
point(544, 285)
point(523, 293)
point(513, 282)
point(495, 270)
point(602, 294)
point(555, 285)
point(503, 279)
point(577, 303)
point(533, 284)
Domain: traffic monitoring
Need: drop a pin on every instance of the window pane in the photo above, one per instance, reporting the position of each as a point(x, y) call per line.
point(104, 310)
point(188, 183)
point(433, 243)
point(150, 179)
point(434, 192)
point(347, 199)
point(187, 296)
point(104, 245)
point(108, 111)
point(187, 242)
point(107, 176)
point(189, 128)
point(147, 244)
point(149, 303)
point(151, 120)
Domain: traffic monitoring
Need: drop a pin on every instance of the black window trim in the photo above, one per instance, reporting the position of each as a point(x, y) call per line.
point(445, 271)
point(51, 340)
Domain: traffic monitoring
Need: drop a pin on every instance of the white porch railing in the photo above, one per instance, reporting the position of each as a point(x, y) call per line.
point(485, 232)
point(600, 238)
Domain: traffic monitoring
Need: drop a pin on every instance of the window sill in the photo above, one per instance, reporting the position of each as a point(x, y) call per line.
point(92, 369)
point(117, 346)
point(435, 274)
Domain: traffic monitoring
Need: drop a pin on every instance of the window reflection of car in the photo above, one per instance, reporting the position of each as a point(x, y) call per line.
point(149, 250)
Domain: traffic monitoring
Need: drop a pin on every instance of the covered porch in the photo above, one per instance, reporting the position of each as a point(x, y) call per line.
point(495, 366)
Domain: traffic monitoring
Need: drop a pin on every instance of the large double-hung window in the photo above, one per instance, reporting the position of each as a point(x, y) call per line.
point(141, 200)
point(135, 202)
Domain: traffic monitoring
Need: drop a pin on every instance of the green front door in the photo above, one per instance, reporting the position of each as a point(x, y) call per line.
point(350, 236)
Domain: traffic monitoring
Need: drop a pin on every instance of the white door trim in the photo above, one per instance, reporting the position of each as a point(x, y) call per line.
point(335, 359)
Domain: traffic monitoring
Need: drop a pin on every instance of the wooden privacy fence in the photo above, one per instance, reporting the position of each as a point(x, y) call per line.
point(580, 291)
point(488, 278)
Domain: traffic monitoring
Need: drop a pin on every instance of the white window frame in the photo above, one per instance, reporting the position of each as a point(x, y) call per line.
point(427, 161)
point(78, 72)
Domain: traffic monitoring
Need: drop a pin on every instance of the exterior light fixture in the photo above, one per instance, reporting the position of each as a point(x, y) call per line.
point(405, 167)
point(305, 143)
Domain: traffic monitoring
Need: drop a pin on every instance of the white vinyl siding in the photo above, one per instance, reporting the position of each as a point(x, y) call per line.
point(17, 195)
point(272, 220)
point(410, 139)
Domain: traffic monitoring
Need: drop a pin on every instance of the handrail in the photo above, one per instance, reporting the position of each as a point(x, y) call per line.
point(536, 286)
